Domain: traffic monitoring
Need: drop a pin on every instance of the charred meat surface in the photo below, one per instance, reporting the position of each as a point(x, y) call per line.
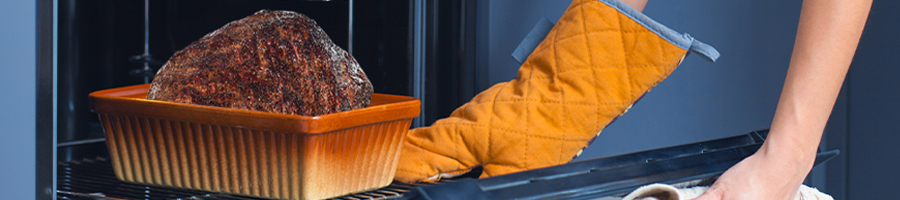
point(271, 61)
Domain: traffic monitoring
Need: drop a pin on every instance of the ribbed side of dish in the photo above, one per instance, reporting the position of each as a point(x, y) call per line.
point(253, 162)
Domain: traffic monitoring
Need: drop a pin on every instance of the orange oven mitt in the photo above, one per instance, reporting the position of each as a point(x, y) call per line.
point(592, 66)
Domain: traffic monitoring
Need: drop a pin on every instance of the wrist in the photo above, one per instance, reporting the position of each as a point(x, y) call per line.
point(787, 158)
point(789, 147)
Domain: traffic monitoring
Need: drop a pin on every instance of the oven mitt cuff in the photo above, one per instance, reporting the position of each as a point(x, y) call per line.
point(599, 59)
point(668, 192)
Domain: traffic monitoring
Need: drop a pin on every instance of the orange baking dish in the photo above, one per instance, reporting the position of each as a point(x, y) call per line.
point(249, 152)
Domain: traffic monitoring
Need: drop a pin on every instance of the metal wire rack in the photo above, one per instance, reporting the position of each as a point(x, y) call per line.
point(94, 179)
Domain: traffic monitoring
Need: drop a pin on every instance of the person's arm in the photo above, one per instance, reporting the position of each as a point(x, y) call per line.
point(827, 37)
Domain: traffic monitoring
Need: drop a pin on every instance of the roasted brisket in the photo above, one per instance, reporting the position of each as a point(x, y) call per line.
point(272, 61)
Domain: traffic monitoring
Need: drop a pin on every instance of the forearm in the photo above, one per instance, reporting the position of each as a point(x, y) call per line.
point(827, 37)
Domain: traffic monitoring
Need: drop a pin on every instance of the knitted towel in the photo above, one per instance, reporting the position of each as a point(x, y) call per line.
point(667, 192)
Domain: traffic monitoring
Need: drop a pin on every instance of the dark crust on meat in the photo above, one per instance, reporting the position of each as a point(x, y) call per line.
point(272, 61)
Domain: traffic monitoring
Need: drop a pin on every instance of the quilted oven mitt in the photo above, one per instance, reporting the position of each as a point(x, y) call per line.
point(599, 59)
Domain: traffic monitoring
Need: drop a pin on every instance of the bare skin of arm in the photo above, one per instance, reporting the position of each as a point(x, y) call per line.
point(827, 37)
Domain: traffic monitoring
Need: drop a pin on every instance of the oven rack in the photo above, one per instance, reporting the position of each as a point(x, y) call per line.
point(93, 178)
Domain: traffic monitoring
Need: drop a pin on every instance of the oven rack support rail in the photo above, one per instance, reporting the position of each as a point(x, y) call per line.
point(685, 165)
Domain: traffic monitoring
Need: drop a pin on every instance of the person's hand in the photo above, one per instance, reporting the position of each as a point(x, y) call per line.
point(760, 176)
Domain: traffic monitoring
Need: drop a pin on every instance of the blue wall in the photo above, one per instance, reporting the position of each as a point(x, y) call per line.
point(874, 94)
point(702, 100)
point(17, 102)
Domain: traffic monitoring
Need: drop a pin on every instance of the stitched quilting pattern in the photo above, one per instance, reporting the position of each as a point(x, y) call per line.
point(589, 70)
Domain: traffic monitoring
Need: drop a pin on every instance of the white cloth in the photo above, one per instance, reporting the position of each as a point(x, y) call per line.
point(668, 192)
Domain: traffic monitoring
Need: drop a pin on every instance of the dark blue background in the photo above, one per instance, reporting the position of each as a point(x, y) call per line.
point(699, 101)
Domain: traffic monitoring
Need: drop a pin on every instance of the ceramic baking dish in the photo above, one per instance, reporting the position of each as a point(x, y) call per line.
point(249, 152)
